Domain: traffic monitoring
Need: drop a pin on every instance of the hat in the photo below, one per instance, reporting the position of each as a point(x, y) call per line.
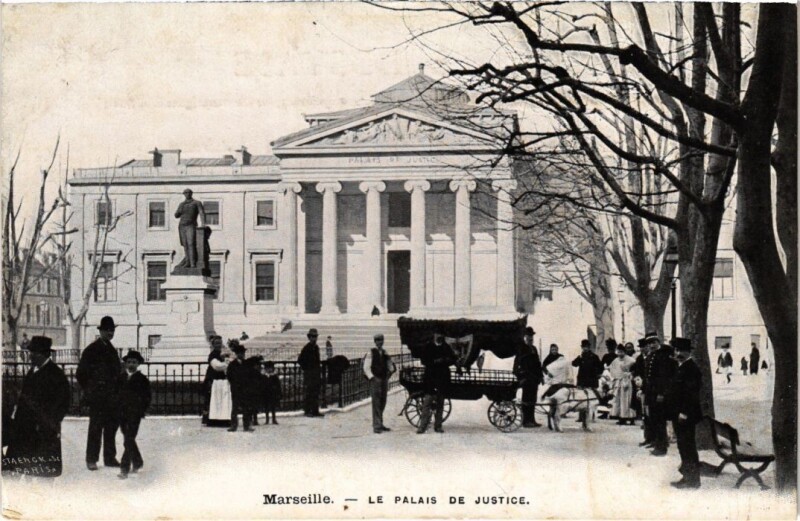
point(135, 355)
point(611, 343)
point(378, 336)
point(585, 343)
point(529, 331)
point(650, 336)
point(235, 346)
point(269, 365)
point(40, 344)
point(312, 332)
point(188, 191)
point(107, 324)
point(682, 344)
point(642, 342)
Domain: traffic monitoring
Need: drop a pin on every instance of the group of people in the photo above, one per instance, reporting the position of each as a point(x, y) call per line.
point(235, 385)
point(753, 366)
point(117, 398)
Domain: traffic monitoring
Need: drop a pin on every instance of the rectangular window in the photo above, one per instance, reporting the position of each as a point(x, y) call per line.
point(38, 314)
point(399, 210)
point(58, 316)
point(211, 209)
point(105, 213)
point(265, 214)
point(216, 275)
point(265, 282)
point(543, 294)
point(722, 286)
point(722, 341)
point(28, 313)
point(157, 214)
point(152, 340)
point(47, 315)
point(106, 288)
point(156, 276)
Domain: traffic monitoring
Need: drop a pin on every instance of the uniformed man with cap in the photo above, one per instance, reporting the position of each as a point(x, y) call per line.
point(683, 399)
point(98, 375)
point(378, 368)
point(35, 445)
point(660, 371)
point(309, 362)
point(188, 212)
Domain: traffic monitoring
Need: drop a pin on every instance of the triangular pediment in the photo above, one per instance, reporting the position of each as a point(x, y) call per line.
point(390, 128)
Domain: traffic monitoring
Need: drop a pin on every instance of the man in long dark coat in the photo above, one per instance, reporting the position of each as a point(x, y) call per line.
point(755, 358)
point(686, 413)
point(98, 375)
point(309, 361)
point(528, 370)
point(660, 372)
point(437, 359)
point(590, 368)
point(35, 446)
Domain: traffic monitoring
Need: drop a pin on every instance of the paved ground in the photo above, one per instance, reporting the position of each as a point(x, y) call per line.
point(195, 472)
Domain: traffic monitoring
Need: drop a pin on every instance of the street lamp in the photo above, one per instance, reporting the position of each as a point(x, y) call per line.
point(671, 258)
point(622, 307)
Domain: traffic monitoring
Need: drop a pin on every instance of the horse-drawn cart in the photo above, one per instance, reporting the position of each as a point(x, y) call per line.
point(466, 338)
point(498, 386)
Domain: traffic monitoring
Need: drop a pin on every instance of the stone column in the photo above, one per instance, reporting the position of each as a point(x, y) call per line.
point(373, 260)
point(289, 274)
point(417, 189)
point(506, 297)
point(462, 240)
point(329, 246)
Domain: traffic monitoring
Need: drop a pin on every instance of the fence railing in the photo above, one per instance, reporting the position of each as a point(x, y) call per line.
point(177, 387)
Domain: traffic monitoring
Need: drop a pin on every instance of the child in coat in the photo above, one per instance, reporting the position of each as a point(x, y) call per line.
point(272, 391)
point(134, 399)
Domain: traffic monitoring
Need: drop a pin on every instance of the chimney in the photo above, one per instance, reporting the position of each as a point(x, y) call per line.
point(170, 158)
point(422, 68)
point(243, 156)
point(156, 157)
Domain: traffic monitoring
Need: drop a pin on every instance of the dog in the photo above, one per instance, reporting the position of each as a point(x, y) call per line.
point(568, 399)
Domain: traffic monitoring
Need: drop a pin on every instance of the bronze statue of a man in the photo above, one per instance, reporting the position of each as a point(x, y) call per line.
point(187, 212)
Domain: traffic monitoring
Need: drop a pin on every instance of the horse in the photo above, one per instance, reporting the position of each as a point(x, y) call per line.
point(572, 398)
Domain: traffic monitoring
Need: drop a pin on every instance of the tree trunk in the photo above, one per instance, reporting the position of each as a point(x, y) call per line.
point(75, 327)
point(654, 317)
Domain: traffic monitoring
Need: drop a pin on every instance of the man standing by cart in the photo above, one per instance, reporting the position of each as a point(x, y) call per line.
point(437, 359)
point(528, 370)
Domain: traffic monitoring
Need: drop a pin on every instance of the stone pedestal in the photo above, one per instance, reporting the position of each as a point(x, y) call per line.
point(189, 320)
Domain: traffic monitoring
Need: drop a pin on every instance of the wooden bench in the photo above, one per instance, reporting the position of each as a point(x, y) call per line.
point(728, 446)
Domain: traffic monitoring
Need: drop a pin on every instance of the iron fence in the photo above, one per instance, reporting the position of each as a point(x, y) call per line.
point(177, 387)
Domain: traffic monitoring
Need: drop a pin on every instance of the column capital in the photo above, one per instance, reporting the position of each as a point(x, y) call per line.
point(457, 184)
point(291, 186)
point(417, 184)
point(505, 185)
point(366, 186)
point(333, 186)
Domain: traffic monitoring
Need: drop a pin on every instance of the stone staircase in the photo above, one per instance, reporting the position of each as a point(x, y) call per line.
point(351, 338)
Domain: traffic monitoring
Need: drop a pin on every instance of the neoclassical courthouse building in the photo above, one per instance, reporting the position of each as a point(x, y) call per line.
point(401, 206)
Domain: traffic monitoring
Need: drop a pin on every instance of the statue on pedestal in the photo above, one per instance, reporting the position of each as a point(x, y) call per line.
point(194, 238)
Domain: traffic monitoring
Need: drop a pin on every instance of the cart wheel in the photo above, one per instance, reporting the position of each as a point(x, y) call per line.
point(413, 410)
point(446, 408)
point(505, 416)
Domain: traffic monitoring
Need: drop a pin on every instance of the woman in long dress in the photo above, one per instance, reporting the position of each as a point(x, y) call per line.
point(622, 384)
point(220, 402)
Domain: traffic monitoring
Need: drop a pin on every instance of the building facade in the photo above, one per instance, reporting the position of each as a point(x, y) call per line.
point(402, 207)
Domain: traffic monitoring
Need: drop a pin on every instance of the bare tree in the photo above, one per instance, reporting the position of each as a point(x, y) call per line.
point(714, 95)
point(21, 247)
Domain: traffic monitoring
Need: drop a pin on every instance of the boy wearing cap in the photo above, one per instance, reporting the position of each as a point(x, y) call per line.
point(35, 445)
point(134, 399)
point(272, 392)
point(98, 375)
point(685, 412)
point(378, 368)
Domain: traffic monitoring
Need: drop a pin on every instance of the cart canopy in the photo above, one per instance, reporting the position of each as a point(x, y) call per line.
point(501, 337)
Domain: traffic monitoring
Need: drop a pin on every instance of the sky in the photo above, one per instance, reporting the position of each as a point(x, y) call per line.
point(116, 80)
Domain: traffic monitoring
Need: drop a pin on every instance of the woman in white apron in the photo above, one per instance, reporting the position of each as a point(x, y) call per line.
point(220, 403)
point(622, 385)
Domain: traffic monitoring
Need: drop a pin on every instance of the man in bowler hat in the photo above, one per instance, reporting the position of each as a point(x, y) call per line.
point(309, 361)
point(35, 445)
point(683, 399)
point(134, 399)
point(98, 375)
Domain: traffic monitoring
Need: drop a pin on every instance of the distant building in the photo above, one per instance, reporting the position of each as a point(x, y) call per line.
point(391, 206)
point(43, 311)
